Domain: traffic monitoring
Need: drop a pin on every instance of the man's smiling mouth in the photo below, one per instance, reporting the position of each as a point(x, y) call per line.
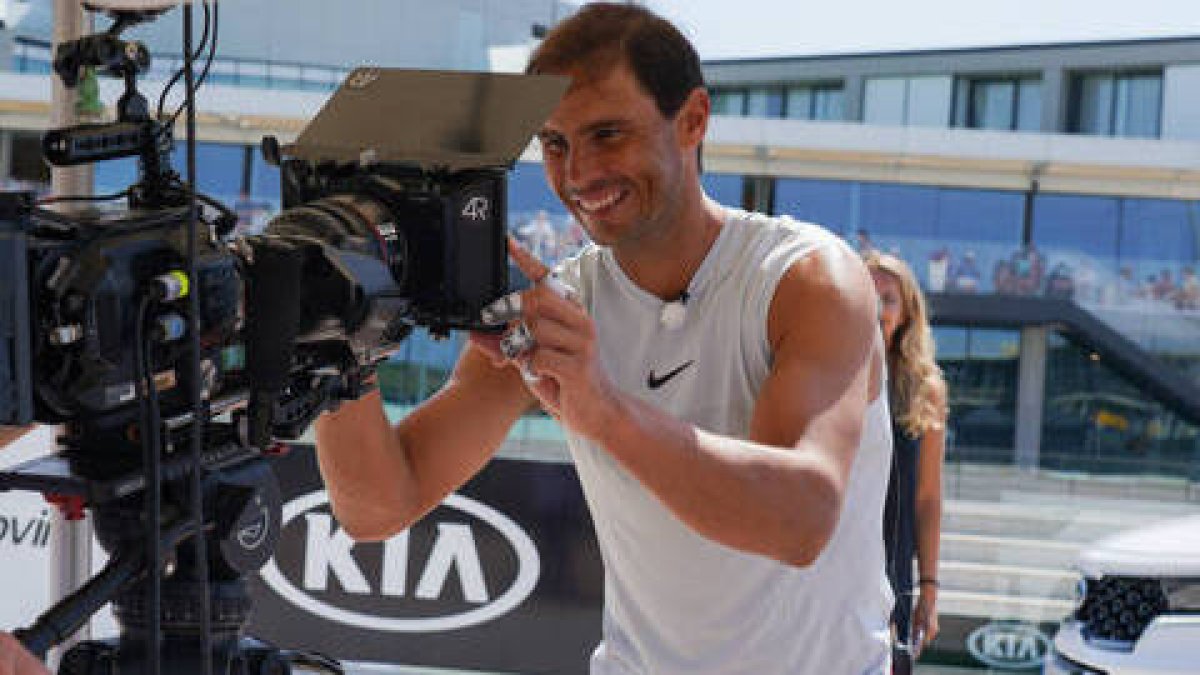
point(606, 201)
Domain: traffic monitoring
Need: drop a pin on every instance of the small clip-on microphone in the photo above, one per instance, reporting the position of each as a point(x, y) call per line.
point(674, 313)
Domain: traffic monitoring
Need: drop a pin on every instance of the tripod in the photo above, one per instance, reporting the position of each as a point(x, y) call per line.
point(240, 522)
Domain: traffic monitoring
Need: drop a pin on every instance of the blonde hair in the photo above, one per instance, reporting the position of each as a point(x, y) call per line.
point(916, 386)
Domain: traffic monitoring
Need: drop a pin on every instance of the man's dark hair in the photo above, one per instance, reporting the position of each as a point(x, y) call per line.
point(603, 35)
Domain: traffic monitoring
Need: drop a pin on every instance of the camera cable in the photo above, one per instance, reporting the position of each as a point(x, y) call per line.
point(151, 438)
point(200, 547)
point(175, 77)
point(190, 86)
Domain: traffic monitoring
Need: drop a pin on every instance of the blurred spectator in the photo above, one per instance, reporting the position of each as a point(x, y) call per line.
point(1029, 266)
point(1127, 288)
point(1164, 288)
point(1188, 296)
point(939, 269)
point(1060, 283)
point(966, 274)
point(1087, 285)
point(913, 509)
point(539, 237)
point(1004, 278)
point(1146, 289)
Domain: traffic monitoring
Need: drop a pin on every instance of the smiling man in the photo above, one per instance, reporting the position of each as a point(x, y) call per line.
point(718, 373)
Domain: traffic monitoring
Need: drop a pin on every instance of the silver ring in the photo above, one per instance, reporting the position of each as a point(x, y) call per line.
point(517, 341)
point(500, 312)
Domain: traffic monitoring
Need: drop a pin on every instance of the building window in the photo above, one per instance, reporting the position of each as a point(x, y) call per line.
point(815, 102)
point(802, 102)
point(725, 188)
point(908, 101)
point(955, 240)
point(1117, 104)
point(1002, 103)
point(980, 365)
point(729, 102)
point(1097, 421)
point(764, 102)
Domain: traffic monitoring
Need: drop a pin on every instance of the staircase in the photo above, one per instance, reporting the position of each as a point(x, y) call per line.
point(1010, 539)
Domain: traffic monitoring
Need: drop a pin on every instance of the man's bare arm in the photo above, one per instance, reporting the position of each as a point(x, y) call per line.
point(15, 660)
point(779, 493)
point(383, 478)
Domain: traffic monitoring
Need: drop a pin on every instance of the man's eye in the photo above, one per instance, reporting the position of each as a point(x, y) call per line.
point(607, 133)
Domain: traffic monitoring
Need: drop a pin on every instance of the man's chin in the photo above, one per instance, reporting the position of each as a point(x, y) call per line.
point(597, 232)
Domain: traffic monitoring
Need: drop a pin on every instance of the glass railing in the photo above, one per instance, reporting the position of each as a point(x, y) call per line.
point(1154, 303)
point(1071, 474)
point(946, 265)
point(36, 56)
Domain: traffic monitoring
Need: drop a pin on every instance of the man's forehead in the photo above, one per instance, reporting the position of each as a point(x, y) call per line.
point(592, 100)
point(596, 66)
point(599, 76)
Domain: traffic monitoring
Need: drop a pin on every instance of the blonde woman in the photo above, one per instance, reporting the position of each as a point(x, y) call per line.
point(913, 518)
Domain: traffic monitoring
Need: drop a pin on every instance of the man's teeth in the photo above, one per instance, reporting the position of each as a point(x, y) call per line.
point(597, 204)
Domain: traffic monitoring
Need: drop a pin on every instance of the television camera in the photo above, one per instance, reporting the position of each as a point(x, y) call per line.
point(145, 327)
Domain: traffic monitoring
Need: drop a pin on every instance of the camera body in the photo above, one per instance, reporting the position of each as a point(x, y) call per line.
point(393, 217)
point(375, 252)
point(70, 284)
point(441, 234)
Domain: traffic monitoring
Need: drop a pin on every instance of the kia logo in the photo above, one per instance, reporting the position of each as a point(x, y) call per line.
point(428, 578)
point(1012, 645)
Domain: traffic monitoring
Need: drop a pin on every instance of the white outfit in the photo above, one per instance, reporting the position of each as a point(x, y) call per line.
point(676, 602)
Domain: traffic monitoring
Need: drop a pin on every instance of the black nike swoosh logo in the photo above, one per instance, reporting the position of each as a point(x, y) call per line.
point(656, 382)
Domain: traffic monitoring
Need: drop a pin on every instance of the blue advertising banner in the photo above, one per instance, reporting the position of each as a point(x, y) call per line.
point(504, 576)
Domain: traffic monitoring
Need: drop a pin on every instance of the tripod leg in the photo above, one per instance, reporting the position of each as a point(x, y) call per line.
point(72, 556)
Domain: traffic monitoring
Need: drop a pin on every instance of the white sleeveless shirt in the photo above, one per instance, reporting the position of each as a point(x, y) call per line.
point(676, 602)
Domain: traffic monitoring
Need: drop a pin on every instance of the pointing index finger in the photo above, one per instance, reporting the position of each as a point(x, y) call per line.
point(528, 263)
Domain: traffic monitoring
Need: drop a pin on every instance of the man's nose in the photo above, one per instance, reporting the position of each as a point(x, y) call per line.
point(579, 166)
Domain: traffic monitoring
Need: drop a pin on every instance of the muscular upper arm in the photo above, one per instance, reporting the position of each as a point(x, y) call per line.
point(827, 359)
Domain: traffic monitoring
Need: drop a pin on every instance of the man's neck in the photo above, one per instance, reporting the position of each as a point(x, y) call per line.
point(664, 266)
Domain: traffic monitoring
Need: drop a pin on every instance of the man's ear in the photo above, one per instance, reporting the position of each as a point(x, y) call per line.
point(691, 122)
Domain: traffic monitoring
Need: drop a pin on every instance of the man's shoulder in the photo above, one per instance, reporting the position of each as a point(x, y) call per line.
point(782, 228)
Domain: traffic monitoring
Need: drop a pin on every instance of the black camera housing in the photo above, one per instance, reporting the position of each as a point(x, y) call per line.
point(69, 283)
point(442, 234)
point(144, 330)
point(394, 217)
